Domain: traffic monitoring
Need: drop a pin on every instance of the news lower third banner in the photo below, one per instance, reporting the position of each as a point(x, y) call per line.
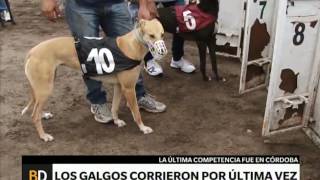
point(160, 168)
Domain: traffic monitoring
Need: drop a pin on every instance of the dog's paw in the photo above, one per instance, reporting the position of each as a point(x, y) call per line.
point(47, 137)
point(46, 115)
point(221, 79)
point(146, 130)
point(119, 123)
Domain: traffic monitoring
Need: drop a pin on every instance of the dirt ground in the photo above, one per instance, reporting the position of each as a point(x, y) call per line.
point(202, 117)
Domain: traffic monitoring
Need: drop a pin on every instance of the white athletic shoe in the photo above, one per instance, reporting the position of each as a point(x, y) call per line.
point(183, 65)
point(153, 68)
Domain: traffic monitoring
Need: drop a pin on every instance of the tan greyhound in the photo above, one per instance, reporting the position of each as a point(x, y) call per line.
point(43, 60)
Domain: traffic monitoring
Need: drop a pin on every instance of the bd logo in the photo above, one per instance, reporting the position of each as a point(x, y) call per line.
point(31, 170)
point(37, 174)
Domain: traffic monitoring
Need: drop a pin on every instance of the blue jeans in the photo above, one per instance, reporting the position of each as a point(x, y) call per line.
point(3, 5)
point(85, 20)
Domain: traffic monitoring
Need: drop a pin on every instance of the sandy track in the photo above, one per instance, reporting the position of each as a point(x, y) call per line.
point(202, 118)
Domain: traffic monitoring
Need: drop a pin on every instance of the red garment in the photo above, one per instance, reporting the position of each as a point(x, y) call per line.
point(191, 18)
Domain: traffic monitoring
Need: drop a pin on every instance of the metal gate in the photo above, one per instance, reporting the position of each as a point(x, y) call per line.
point(230, 27)
point(284, 35)
point(258, 42)
point(295, 70)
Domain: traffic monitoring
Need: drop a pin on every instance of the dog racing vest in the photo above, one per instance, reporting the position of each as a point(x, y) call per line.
point(191, 18)
point(102, 56)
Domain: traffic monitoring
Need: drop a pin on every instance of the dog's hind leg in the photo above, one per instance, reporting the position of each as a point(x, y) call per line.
point(202, 53)
point(44, 115)
point(213, 57)
point(38, 123)
point(115, 106)
point(40, 100)
point(41, 80)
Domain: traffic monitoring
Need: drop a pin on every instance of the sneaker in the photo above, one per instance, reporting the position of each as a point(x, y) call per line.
point(183, 65)
point(101, 112)
point(148, 103)
point(153, 68)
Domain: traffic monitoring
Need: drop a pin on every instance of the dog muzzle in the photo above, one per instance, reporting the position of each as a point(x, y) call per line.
point(158, 49)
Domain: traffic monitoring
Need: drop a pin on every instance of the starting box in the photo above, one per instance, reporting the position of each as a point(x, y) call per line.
point(295, 67)
point(278, 42)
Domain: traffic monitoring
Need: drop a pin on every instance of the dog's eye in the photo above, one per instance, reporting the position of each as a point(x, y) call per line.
point(152, 36)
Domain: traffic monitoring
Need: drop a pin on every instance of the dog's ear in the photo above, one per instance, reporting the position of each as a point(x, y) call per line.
point(141, 24)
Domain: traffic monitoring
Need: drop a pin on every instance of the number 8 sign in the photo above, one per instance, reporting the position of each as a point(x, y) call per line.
point(294, 58)
point(299, 36)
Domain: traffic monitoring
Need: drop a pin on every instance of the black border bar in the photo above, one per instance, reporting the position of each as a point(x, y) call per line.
point(150, 159)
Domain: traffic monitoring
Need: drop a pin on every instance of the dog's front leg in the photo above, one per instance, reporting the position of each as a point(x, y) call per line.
point(202, 53)
point(115, 106)
point(130, 95)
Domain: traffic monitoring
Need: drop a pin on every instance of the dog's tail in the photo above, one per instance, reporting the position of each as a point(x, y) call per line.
point(27, 107)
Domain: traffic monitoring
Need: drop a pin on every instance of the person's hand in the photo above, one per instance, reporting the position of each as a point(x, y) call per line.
point(147, 10)
point(50, 9)
point(153, 9)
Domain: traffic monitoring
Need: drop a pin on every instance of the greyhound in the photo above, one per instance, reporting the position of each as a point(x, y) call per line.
point(43, 60)
point(195, 22)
